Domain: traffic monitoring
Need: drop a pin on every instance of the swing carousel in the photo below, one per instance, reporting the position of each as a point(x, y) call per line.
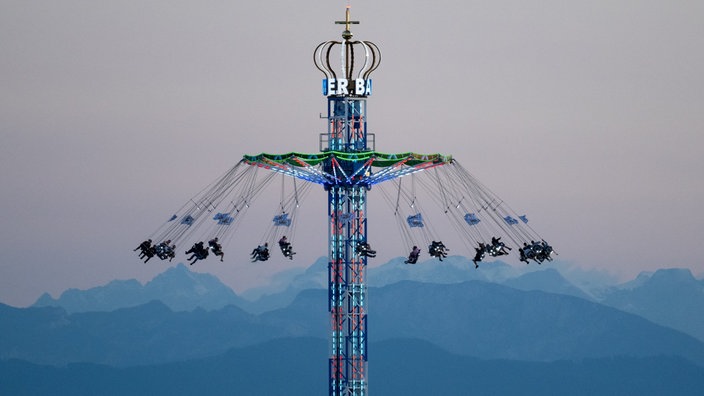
point(417, 188)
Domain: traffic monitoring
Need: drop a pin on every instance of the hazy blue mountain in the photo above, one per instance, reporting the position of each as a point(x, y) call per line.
point(285, 287)
point(307, 316)
point(453, 269)
point(299, 367)
point(146, 334)
point(473, 318)
point(116, 294)
point(313, 277)
point(639, 280)
point(547, 280)
point(177, 287)
point(493, 321)
point(671, 297)
point(183, 290)
point(457, 269)
point(590, 280)
point(278, 294)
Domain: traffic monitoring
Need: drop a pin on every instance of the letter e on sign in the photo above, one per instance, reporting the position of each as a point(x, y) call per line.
point(342, 87)
point(332, 86)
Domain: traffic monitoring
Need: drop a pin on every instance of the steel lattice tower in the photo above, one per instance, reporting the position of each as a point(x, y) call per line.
point(347, 166)
point(347, 203)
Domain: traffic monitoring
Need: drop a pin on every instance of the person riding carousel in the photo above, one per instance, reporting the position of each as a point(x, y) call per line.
point(198, 252)
point(364, 249)
point(144, 246)
point(437, 249)
point(497, 247)
point(216, 248)
point(171, 252)
point(547, 250)
point(525, 253)
point(479, 255)
point(260, 253)
point(413, 256)
point(541, 251)
point(286, 247)
point(147, 250)
point(164, 251)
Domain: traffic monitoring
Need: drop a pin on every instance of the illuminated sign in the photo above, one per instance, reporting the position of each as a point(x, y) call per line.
point(343, 86)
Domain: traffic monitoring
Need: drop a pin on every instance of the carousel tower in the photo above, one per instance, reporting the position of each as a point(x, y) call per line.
point(347, 89)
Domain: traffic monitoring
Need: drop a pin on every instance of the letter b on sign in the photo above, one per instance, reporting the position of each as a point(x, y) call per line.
point(359, 86)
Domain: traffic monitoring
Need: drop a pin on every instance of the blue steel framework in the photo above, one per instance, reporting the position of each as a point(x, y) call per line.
point(347, 204)
point(347, 287)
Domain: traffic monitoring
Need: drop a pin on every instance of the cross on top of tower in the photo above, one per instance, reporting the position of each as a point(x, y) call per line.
point(347, 22)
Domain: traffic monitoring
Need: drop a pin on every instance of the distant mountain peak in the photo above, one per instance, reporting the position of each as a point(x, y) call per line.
point(671, 297)
point(182, 275)
point(549, 280)
point(673, 274)
point(45, 300)
point(178, 287)
point(179, 270)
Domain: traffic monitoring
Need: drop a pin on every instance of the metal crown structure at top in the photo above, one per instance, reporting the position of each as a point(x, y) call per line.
point(354, 67)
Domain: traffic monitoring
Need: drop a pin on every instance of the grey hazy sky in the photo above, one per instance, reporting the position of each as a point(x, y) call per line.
point(586, 115)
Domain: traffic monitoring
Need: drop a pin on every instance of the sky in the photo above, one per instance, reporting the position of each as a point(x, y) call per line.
point(586, 115)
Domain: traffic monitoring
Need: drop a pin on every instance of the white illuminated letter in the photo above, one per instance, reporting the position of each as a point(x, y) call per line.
point(332, 86)
point(342, 87)
point(359, 86)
